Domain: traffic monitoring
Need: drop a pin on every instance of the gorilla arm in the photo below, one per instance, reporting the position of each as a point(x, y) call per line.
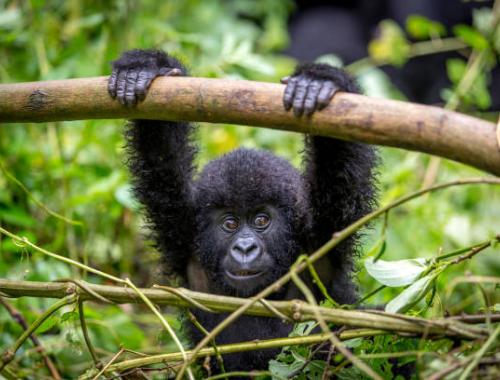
point(160, 156)
point(339, 175)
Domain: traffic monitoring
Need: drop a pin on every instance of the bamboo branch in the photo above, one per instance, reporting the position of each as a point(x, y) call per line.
point(295, 310)
point(253, 345)
point(349, 116)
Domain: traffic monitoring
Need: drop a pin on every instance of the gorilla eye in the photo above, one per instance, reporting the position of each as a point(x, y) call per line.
point(230, 224)
point(262, 221)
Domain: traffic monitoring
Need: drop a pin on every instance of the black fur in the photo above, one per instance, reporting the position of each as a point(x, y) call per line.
point(335, 189)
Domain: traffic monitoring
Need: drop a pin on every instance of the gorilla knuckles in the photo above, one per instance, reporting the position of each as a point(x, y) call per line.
point(242, 222)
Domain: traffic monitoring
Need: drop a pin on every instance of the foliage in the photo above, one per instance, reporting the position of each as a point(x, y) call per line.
point(76, 169)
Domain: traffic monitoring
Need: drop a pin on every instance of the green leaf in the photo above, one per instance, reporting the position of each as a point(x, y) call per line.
point(279, 370)
point(395, 273)
point(411, 295)
point(471, 36)
point(391, 46)
point(70, 316)
point(422, 28)
point(303, 328)
point(455, 69)
point(17, 217)
point(478, 94)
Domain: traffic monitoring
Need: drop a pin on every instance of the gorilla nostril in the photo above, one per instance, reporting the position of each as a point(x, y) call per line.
point(245, 250)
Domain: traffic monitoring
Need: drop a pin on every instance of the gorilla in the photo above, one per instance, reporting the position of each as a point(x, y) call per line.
point(240, 223)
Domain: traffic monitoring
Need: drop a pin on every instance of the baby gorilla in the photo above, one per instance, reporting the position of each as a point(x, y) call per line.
point(244, 219)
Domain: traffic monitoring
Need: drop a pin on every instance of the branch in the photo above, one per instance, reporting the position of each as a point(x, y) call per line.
point(295, 310)
point(18, 317)
point(349, 116)
point(254, 345)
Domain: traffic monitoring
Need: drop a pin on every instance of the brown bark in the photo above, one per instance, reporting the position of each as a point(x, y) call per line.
point(349, 116)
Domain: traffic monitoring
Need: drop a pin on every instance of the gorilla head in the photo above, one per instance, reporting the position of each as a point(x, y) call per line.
point(251, 212)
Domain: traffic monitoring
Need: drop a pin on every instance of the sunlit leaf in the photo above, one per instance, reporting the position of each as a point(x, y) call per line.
point(422, 28)
point(471, 36)
point(395, 273)
point(411, 295)
point(455, 69)
point(391, 45)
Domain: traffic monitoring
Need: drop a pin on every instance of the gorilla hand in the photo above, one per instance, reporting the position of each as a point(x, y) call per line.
point(134, 71)
point(312, 86)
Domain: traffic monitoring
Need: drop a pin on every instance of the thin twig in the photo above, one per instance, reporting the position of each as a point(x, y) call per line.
point(113, 359)
point(165, 324)
point(8, 355)
point(18, 317)
point(199, 326)
point(36, 201)
point(479, 354)
point(86, 337)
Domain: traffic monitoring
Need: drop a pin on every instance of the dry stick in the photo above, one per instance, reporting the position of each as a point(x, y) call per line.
point(354, 117)
point(113, 359)
point(18, 317)
point(338, 237)
point(324, 376)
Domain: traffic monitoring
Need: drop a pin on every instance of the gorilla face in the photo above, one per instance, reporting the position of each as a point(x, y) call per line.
point(252, 247)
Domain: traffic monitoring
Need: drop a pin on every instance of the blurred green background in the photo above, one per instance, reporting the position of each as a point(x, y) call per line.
point(77, 168)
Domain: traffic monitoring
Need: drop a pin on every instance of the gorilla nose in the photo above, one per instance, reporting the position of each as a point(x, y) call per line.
point(245, 250)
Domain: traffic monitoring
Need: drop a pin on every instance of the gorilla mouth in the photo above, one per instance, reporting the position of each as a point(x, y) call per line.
point(244, 274)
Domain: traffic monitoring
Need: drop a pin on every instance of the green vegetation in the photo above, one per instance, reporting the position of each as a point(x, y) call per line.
point(64, 186)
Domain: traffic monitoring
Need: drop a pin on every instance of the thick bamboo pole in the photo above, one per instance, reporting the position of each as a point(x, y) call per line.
point(349, 116)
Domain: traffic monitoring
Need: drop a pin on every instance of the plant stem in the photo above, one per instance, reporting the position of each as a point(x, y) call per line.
point(479, 354)
point(240, 347)
point(9, 354)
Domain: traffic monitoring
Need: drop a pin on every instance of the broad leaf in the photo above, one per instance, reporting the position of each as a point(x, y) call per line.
point(395, 273)
point(411, 295)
